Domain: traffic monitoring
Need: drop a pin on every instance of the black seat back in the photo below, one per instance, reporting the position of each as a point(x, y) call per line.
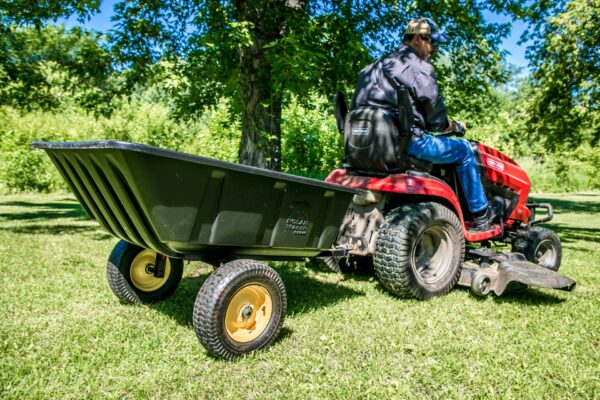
point(406, 118)
point(373, 141)
point(340, 110)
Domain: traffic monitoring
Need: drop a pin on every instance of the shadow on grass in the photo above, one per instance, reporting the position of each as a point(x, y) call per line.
point(44, 211)
point(58, 229)
point(570, 206)
point(304, 294)
point(571, 234)
point(530, 296)
point(52, 218)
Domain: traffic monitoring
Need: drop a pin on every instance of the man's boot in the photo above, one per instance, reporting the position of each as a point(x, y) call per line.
point(484, 219)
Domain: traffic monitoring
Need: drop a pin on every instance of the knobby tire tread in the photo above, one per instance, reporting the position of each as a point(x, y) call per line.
point(117, 269)
point(117, 282)
point(392, 254)
point(210, 304)
point(526, 241)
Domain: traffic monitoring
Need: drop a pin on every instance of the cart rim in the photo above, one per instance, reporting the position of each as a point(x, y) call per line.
point(432, 254)
point(142, 271)
point(248, 313)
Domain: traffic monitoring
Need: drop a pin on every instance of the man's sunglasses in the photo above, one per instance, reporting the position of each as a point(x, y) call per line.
point(428, 39)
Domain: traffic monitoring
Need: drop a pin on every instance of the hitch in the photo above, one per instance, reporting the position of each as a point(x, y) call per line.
point(533, 206)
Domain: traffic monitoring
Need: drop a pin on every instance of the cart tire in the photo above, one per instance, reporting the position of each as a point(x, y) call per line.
point(240, 308)
point(481, 285)
point(540, 246)
point(130, 274)
point(419, 250)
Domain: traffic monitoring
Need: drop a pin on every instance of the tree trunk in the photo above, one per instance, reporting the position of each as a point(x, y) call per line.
point(260, 145)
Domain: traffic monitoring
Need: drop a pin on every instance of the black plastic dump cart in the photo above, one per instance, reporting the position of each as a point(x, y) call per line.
point(168, 207)
point(194, 207)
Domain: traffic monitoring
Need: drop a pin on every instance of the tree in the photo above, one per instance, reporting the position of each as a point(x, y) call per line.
point(46, 67)
point(37, 13)
point(43, 65)
point(258, 52)
point(565, 57)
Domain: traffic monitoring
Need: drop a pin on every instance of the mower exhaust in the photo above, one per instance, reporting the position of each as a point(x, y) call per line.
point(497, 270)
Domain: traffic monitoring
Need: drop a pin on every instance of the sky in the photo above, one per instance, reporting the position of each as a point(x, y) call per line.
point(516, 56)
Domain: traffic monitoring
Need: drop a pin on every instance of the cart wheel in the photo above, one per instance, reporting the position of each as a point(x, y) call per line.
point(540, 246)
point(130, 272)
point(419, 250)
point(481, 284)
point(240, 308)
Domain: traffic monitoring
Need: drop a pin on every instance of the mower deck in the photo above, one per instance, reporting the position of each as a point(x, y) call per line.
point(489, 271)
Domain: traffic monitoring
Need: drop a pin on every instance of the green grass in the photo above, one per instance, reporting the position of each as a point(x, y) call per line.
point(64, 335)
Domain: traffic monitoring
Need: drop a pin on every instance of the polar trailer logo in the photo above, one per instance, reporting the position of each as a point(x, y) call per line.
point(495, 164)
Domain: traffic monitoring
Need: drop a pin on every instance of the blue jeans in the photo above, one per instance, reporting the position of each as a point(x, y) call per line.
point(447, 150)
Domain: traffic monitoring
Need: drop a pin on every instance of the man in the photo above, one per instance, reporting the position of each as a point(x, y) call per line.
point(410, 66)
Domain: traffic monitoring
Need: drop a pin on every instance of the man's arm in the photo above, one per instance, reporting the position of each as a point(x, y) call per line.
point(430, 101)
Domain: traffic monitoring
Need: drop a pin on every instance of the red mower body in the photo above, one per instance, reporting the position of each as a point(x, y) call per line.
point(501, 177)
point(503, 172)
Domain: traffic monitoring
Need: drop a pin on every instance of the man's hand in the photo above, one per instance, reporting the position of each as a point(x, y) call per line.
point(455, 128)
point(459, 129)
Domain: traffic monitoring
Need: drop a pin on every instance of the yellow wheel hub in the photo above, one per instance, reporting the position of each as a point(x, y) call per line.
point(142, 271)
point(248, 313)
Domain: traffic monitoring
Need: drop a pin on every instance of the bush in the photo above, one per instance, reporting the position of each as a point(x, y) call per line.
point(26, 170)
point(311, 144)
point(22, 169)
point(561, 173)
point(215, 134)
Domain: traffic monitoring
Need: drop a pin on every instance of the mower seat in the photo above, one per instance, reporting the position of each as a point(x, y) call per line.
point(416, 164)
point(374, 142)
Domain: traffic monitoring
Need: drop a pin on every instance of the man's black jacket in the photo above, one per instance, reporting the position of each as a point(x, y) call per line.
point(374, 88)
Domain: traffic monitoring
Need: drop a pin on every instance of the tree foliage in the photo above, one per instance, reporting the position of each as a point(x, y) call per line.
point(48, 67)
point(37, 13)
point(276, 60)
point(565, 57)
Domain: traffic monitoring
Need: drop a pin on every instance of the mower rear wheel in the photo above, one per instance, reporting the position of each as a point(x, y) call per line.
point(419, 250)
point(240, 308)
point(540, 246)
point(131, 274)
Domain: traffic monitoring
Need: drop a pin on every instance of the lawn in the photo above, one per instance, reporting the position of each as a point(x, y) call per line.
point(63, 334)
